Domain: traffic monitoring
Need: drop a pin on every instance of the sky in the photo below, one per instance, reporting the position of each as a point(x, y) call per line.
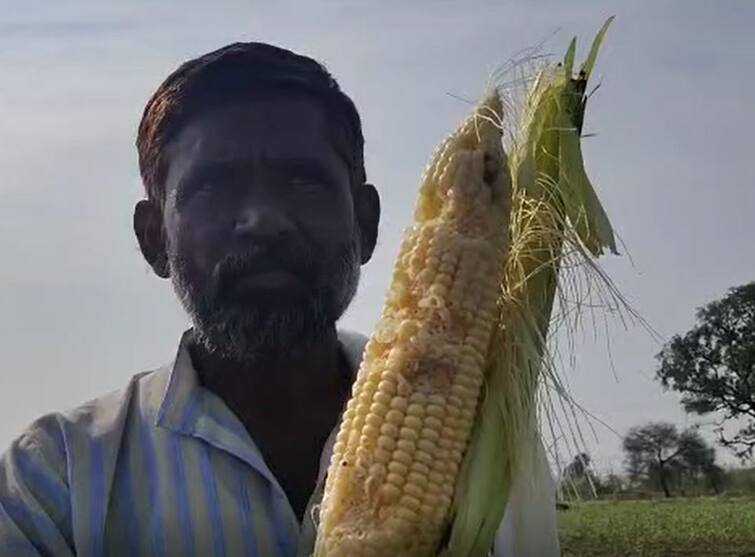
point(80, 311)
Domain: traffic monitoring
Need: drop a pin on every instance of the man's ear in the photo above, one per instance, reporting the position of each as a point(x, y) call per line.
point(148, 227)
point(367, 207)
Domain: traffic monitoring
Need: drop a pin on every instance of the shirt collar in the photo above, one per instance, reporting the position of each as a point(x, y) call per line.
point(179, 401)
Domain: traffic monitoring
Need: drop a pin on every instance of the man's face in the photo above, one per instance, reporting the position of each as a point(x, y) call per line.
point(261, 237)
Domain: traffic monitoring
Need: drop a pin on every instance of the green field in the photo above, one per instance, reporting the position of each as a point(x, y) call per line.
point(653, 528)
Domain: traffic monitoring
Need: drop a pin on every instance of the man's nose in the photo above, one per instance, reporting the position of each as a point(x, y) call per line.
point(263, 220)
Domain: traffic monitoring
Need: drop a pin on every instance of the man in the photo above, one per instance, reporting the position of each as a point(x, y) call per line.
point(258, 210)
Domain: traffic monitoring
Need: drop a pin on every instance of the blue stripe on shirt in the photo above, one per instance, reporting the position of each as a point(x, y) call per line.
point(97, 497)
point(211, 496)
point(247, 527)
point(182, 500)
point(33, 471)
point(275, 517)
point(37, 528)
point(125, 500)
point(155, 505)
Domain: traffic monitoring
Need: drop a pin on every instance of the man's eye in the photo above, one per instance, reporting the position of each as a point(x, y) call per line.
point(203, 190)
point(302, 183)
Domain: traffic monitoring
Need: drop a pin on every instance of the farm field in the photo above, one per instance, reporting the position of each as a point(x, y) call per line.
point(698, 527)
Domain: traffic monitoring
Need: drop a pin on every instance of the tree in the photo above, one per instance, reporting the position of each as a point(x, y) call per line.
point(651, 450)
point(578, 467)
point(611, 484)
point(698, 459)
point(713, 366)
point(579, 479)
point(658, 453)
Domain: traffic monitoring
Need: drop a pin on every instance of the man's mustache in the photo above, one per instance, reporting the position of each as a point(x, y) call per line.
point(291, 257)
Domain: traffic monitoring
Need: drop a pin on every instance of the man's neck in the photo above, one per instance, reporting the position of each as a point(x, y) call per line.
point(271, 382)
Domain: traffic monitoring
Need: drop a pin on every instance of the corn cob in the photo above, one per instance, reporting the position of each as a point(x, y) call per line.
point(419, 454)
point(403, 434)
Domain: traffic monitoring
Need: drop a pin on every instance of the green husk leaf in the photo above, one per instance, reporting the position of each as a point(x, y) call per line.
point(569, 58)
point(593, 55)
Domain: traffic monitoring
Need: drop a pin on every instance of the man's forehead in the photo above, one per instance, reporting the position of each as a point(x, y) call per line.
point(253, 129)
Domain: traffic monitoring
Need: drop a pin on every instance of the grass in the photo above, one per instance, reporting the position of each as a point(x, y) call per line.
point(700, 527)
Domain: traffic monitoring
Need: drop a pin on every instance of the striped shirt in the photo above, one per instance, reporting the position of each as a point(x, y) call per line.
point(160, 468)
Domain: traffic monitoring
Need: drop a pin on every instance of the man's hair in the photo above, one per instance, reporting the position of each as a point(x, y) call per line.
point(233, 73)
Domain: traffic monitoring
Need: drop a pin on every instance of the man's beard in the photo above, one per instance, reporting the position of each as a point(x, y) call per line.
point(268, 325)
